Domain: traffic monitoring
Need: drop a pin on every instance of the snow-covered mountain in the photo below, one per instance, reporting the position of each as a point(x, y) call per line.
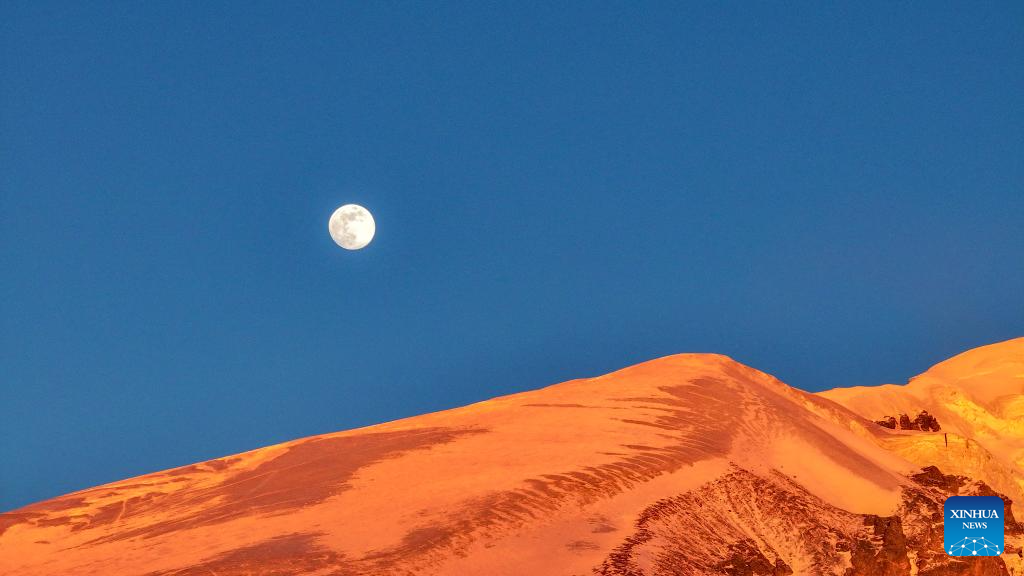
point(691, 464)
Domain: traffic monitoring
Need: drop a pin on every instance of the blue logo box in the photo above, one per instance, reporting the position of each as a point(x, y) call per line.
point(973, 526)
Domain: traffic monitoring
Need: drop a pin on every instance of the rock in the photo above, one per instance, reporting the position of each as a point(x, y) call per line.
point(924, 422)
point(746, 560)
point(888, 558)
point(905, 423)
point(887, 422)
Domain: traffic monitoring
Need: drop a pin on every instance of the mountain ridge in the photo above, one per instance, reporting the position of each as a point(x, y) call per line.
point(597, 475)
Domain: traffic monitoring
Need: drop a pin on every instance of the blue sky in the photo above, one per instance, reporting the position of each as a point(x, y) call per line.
point(833, 194)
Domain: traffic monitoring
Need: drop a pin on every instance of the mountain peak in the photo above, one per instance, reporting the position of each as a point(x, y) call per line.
point(995, 365)
point(597, 475)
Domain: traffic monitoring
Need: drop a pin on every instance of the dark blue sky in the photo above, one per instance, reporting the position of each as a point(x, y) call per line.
point(833, 195)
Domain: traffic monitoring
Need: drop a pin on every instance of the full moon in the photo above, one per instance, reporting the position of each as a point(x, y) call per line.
point(352, 226)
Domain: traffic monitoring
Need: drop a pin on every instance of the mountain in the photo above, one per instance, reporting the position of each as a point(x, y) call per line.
point(691, 464)
point(978, 399)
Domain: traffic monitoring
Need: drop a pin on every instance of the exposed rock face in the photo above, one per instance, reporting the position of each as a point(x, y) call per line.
point(924, 422)
point(954, 485)
point(922, 511)
point(745, 524)
point(689, 465)
point(887, 422)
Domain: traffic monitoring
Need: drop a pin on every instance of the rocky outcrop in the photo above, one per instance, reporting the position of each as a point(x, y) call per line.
point(924, 422)
point(887, 422)
point(745, 524)
point(922, 511)
point(745, 559)
point(953, 485)
point(884, 552)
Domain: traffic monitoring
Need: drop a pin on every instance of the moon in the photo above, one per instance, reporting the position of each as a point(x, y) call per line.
point(352, 227)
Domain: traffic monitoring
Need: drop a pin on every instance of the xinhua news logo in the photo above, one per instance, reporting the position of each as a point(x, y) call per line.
point(973, 526)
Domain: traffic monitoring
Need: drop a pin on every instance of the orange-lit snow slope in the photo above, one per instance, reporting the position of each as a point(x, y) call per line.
point(978, 398)
point(689, 464)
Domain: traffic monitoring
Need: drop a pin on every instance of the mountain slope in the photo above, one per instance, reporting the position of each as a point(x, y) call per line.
point(689, 464)
point(977, 397)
